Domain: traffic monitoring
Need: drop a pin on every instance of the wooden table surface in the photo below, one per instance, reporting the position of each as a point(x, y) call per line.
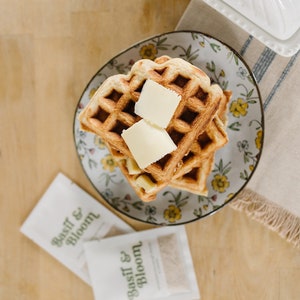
point(49, 49)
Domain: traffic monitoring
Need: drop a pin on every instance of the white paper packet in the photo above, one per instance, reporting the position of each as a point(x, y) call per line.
point(154, 264)
point(66, 217)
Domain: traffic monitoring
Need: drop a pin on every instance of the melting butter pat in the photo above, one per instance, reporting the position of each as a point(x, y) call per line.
point(157, 104)
point(132, 166)
point(147, 143)
point(145, 182)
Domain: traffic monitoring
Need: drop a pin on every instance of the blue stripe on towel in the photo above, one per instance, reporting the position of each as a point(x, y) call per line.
point(263, 63)
point(246, 45)
point(281, 79)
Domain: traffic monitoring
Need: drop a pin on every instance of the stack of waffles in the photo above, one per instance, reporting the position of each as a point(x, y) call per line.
point(198, 125)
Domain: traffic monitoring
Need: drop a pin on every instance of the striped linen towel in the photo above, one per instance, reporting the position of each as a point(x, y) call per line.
point(273, 194)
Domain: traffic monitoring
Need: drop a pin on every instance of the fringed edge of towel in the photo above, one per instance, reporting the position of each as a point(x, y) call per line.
point(270, 214)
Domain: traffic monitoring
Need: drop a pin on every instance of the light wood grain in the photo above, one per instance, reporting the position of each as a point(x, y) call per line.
point(48, 52)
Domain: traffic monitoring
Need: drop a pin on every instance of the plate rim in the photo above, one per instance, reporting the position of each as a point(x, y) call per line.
point(134, 45)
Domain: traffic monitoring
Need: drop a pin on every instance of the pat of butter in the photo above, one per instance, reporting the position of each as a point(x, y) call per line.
point(147, 143)
point(132, 166)
point(157, 104)
point(144, 182)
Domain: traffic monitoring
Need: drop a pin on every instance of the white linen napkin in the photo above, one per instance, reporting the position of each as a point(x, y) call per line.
point(273, 194)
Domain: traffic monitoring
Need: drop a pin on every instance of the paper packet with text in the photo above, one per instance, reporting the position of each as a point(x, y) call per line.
point(66, 217)
point(154, 264)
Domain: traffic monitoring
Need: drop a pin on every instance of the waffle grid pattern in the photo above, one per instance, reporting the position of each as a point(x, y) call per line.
point(195, 127)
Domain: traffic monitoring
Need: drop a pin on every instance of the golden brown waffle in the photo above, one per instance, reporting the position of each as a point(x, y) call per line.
point(198, 163)
point(195, 181)
point(213, 138)
point(191, 169)
point(121, 159)
point(195, 166)
point(112, 108)
point(223, 108)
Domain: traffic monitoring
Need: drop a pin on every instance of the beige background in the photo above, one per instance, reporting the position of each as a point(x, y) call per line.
point(48, 52)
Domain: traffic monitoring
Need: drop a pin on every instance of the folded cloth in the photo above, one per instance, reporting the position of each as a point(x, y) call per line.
point(273, 194)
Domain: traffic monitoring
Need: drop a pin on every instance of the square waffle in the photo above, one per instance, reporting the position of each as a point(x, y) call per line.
point(111, 110)
point(195, 166)
point(146, 196)
point(195, 180)
point(198, 163)
point(213, 138)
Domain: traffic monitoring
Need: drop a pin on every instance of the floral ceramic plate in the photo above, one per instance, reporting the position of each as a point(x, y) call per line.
point(234, 164)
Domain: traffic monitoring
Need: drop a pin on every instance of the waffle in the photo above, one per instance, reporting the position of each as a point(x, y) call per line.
point(198, 163)
point(213, 138)
point(146, 196)
point(111, 110)
point(194, 168)
point(195, 180)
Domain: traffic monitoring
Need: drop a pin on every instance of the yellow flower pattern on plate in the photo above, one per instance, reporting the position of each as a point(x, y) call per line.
point(258, 139)
point(239, 108)
point(172, 213)
point(148, 51)
point(108, 163)
point(220, 183)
